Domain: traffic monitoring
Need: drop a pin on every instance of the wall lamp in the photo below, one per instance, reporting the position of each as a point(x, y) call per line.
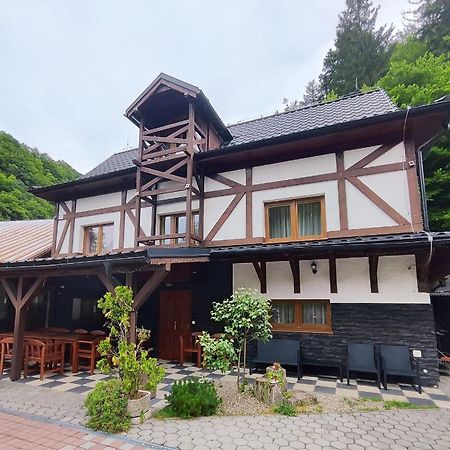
point(314, 267)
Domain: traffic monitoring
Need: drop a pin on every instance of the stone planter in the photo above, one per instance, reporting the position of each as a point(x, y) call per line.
point(137, 407)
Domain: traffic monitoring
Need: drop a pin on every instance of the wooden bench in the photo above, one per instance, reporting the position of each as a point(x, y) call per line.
point(284, 351)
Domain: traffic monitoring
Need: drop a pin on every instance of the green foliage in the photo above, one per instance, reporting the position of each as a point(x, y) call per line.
point(286, 407)
point(361, 53)
point(136, 368)
point(107, 407)
point(22, 168)
point(418, 82)
point(246, 317)
point(218, 354)
point(193, 397)
point(431, 24)
point(399, 404)
point(413, 80)
point(275, 375)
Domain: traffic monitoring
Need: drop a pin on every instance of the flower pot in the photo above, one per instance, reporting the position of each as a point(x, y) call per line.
point(139, 406)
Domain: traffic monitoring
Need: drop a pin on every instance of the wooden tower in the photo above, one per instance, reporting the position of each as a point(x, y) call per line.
point(175, 122)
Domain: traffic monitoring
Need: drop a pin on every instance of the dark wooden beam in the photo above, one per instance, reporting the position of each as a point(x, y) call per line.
point(342, 193)
point(248, 204)
point(373, 273)
point(261, 272)
point(123, 201)
point(142, 295)
point(230, 208)
point(333, 275)
point(378, 201)
point(20, 299)
point(295, 269)
point(106, 281)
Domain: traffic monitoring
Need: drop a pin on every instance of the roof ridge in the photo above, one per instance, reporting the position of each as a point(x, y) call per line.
point(314, 105)
point(122, 151)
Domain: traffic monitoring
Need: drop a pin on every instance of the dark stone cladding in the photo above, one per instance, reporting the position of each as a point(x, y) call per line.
point(405, 324)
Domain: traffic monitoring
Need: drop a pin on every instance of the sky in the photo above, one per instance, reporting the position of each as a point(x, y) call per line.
point(69, 69)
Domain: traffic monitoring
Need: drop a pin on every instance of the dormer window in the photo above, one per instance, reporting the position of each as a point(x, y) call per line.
point(98, 239)
point(292, 220)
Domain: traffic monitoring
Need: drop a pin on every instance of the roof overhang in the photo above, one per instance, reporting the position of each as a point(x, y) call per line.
point(392, 244)
point(86, 187)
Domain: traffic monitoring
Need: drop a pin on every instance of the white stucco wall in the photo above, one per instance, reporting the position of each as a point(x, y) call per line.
point(397, 281)
point(362, 213)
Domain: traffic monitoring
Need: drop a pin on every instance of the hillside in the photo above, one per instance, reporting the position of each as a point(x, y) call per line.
point(21, 168)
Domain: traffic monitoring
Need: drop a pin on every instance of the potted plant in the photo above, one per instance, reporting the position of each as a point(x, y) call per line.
point(138, 372)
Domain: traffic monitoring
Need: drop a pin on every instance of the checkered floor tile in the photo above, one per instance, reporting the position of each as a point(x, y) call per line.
point(83, 382)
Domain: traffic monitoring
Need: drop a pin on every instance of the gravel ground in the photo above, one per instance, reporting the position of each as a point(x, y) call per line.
point(236, 403)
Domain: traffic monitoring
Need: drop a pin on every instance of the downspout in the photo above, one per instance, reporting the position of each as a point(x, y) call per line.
point(421, 174)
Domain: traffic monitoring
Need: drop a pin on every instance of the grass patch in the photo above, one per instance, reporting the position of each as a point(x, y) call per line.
point(164, 413)
point(286, 409)
point(400, 404)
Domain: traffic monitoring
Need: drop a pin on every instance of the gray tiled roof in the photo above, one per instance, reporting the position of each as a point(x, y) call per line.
point(115, 163)
point(346, 109)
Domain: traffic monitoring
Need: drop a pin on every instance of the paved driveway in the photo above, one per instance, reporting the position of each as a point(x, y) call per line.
point(426, 429)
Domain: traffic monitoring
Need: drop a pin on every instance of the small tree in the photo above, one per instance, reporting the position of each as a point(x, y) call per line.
point(246, 317)
point(136, 368)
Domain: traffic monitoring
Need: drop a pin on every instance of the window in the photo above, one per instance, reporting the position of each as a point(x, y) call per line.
point(98, 238)
point(301, 315)
point(296, 219)
point(175, 224)
point(85, 309)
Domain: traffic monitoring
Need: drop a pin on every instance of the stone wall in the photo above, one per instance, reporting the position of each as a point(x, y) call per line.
point(411, 325)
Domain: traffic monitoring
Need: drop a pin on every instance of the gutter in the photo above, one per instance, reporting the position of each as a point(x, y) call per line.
point(327, 246)
point(61, 264)
point(421, 173)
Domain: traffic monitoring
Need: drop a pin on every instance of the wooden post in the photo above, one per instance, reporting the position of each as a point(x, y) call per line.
point(189, 172)
point(20, 300)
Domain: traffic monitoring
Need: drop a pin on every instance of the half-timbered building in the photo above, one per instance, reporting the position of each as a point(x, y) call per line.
point(322, 209)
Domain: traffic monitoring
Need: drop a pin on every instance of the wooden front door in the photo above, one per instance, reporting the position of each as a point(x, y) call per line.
point(174, 321)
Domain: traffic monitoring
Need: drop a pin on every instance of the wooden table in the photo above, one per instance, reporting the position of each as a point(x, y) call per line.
point(71, 339)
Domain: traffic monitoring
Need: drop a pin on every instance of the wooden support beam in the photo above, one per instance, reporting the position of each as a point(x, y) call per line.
point(20, 299)
point(423, 262)
point(248, 204)
point(342, 193)
point(373, 273)
point(333, 275)
point(378, 201)
point(230, 208)
point(109, 284)
point(123, 202)
point(261, 272)
point(142, 295)
point(295, 269)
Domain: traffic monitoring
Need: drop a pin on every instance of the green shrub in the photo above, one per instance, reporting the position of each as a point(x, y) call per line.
point(286, 409)
point(193, 398)
point(218, 354)
point(107, 407)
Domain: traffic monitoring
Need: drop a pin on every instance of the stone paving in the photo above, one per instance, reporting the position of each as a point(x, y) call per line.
point(19, 432)
point(397, 429)
point(83, 382)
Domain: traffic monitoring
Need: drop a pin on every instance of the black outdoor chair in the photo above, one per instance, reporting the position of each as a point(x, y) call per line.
point(397, 360)
point(362, 358)
point(284, 351)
